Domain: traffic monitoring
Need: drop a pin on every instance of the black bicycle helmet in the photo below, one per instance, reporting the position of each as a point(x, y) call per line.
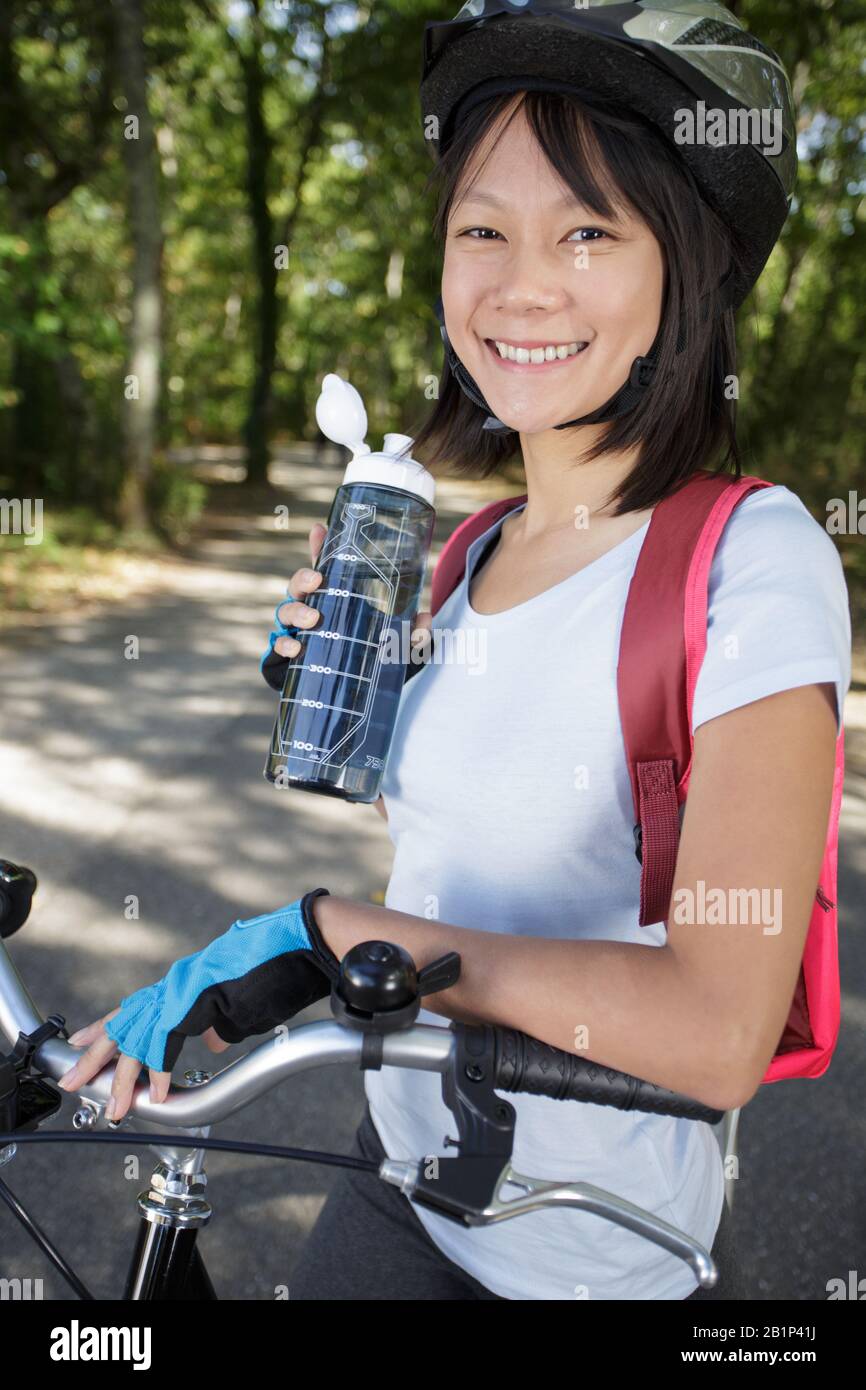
point(657, 57)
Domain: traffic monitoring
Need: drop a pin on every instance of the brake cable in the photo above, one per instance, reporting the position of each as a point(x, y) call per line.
point(179, 1139)
point(57, 1136)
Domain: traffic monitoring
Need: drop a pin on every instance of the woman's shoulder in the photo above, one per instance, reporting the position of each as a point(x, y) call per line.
point(778, 613)
point(772, 534)
point(778, 506)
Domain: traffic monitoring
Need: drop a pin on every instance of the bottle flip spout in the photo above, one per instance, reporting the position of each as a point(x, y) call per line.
point(341, 417)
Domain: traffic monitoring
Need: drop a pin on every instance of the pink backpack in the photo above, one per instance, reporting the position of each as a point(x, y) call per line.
point(662, 646)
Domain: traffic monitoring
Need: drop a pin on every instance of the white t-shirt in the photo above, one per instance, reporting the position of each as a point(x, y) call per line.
point(510, 810)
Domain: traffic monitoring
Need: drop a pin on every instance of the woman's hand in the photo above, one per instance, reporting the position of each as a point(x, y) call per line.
point(296, 613)
point(256, 975)
point(304, 581)
point(100, 1050)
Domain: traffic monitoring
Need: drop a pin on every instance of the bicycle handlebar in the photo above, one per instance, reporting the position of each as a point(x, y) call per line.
point(522, 1064)
point(474, 1061)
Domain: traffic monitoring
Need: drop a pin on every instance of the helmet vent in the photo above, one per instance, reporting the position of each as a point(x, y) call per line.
point(712, 31)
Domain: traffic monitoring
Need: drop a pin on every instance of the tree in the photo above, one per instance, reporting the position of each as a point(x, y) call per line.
point(52, 139)
point(145, 332)
point(272, 238)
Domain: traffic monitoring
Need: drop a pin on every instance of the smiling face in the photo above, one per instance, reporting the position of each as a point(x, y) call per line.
point(547, 303)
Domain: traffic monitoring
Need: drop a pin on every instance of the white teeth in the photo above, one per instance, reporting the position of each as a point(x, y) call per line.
point(540, 354)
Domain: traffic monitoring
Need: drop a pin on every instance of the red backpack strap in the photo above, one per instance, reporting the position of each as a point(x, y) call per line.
point(662, 644)
point(451, 564)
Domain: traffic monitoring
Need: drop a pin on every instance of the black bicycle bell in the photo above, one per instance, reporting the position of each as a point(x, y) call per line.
point(379, 989)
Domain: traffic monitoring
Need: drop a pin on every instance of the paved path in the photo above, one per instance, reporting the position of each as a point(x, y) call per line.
point(144, 777)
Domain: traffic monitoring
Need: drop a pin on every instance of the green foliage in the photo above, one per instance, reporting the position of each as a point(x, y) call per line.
point(175, 500)
point(802, 377)
point(363, 270)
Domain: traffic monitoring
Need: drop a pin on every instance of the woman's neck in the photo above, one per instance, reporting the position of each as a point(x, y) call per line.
point(563, 494)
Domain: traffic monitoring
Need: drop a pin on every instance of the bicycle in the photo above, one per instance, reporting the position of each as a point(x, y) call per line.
point(375, 1004)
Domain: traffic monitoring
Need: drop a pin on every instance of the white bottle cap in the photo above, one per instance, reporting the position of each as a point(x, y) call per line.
point(341, 416)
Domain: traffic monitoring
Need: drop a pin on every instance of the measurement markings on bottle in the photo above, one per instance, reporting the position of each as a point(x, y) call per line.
point(339, 637)
point(315, 704)
point(342, 593)
point(326, 671)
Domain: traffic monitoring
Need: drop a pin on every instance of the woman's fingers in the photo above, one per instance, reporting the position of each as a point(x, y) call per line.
point(86, 1035)
point(214, 1041)
point(298, 614)
point(123, 1084)
point(160, 1082)
point(91, 1062)
point(294, 612)
point(128, 1070)
point(316, 538)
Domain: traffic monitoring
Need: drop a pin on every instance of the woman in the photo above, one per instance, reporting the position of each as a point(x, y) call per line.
point(588, 288)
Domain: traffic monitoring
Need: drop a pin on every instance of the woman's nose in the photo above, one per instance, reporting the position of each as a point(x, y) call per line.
point(530, 279)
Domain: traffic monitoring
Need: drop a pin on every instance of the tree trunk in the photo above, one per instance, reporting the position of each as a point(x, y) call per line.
point(259, 149)
point(30, 441)
point(266, 237)
point(142, 378)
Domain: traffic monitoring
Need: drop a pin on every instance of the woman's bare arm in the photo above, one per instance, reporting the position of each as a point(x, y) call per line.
point(703, 1013)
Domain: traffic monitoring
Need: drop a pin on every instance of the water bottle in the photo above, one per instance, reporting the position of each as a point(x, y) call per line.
point(339, 701)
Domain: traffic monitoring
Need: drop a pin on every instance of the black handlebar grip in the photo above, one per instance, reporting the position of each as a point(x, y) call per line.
point(525, 1064)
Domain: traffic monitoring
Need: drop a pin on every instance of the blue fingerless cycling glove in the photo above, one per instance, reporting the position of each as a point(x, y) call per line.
point(273, 666)
point(259, 973)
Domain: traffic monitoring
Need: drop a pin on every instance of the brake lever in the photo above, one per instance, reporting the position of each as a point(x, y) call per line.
point(539, 1193)
point(469, 1189)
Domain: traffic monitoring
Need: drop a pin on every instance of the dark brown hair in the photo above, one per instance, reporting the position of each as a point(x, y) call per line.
point(606, 155)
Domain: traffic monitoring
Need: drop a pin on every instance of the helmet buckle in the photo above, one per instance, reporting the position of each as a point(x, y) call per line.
point(641, 374)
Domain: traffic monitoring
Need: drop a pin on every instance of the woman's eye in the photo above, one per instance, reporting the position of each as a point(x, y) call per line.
point(485, 233)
